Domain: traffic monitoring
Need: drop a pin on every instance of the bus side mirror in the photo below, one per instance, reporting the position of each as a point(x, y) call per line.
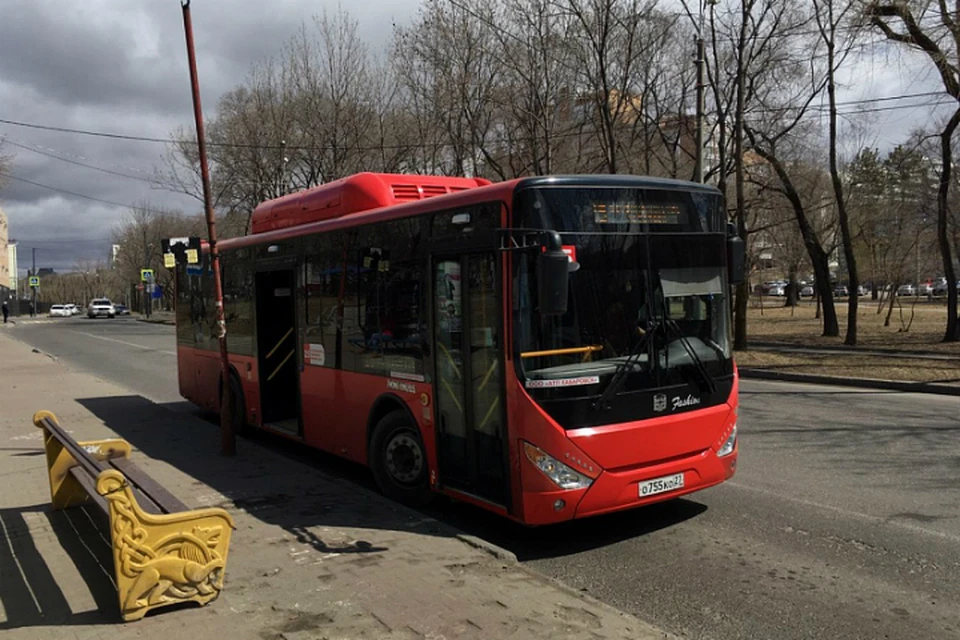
point(553, 276)
point(736, 256)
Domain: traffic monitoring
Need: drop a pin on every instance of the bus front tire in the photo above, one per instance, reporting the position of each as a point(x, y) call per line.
point(398, 460)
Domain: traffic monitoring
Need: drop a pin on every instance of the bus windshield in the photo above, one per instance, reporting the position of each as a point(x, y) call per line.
point(650, 294)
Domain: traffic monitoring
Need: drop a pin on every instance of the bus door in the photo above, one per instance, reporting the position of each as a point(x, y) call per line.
point(277, 355)
point(468, 365)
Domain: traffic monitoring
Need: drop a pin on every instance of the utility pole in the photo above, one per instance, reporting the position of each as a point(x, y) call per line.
point(33, 304)
point(700, 61)
point(228, 444)
point(700, 102)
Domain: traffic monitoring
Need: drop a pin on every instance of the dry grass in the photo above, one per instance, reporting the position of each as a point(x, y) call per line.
point(799, 326)
point(852, 366)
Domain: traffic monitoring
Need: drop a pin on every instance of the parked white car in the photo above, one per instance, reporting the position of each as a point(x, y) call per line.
point(907, 290)
point(72, 308)
point(101, 307)
point(59, 311)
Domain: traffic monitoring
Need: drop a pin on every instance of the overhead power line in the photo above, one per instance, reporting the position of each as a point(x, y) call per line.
point(77, 162)
point(78, 195)
point(402, 146)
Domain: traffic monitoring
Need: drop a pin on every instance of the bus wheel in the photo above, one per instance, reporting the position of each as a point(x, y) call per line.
point(398, 460)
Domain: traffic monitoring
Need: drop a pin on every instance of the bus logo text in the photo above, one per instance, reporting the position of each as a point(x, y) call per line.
point(689, 401)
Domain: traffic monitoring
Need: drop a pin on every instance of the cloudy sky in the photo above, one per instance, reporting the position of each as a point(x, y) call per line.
point(120, 66)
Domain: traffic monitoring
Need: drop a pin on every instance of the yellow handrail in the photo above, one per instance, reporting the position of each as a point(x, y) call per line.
point(593, 348)
point(274, 350)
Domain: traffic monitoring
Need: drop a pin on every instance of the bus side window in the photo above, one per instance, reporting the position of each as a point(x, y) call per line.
point(322, 284)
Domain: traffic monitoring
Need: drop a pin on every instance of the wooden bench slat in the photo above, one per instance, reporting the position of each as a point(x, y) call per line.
point(91, 465)
point(149, 487)
point(89, 485)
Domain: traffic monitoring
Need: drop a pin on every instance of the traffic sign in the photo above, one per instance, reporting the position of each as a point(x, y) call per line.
point(146, 275)
point(180, 250)
point(140, 287)
point(34, 281)
point(157, 292)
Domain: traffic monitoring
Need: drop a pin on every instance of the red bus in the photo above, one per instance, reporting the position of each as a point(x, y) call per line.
point(546, 348)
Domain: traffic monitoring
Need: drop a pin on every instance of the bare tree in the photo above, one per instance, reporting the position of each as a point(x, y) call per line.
point(908, 23)
point(831, 17)
point(140, 238)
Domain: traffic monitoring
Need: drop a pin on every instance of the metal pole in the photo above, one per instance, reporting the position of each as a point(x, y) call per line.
point(700, 101)
point(33, 305)
point(228, 444)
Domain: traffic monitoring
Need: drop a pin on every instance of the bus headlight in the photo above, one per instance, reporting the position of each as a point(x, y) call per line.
point(563, 476)
point(729, 444)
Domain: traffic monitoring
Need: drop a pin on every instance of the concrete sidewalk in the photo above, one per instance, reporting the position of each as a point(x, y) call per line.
point(314, 556)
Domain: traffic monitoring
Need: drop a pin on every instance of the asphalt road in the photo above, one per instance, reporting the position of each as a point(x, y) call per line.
point(842, 522)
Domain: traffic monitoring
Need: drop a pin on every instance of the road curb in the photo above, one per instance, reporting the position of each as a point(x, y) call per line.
point(44, 353)
point(161, 321)
point(489, 548)
point(842, 348)
point(861, 383)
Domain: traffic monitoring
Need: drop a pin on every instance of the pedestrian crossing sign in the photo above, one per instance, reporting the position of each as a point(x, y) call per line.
point(146, 275)
point(34, 281)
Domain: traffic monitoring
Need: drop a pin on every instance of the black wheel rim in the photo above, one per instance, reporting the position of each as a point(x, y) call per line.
point(404, 458)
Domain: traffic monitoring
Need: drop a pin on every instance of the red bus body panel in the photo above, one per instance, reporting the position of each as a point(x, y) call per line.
point(360, 192)
point(617, 457)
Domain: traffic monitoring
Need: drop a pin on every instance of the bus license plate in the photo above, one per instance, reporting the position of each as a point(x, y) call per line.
point(661, 485)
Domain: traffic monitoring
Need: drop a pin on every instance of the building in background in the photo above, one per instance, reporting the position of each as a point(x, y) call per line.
point(114, 254)
point(12, 264)
point(4, 264)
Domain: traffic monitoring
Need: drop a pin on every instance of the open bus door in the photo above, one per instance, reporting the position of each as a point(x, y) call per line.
point(277, 353)
point(468, 377)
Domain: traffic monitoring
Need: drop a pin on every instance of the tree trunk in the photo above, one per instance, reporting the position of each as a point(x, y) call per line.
point(818, 257)
point(792, 292)
point(952, 333)
point(853, 299)
point(743, 291)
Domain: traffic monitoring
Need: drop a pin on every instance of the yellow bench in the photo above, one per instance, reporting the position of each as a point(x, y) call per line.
point(163, 552)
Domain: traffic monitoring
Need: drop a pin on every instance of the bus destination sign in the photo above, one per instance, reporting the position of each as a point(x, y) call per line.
point(636, 213)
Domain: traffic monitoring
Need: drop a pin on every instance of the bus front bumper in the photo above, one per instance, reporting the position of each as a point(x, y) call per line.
point(619, 489)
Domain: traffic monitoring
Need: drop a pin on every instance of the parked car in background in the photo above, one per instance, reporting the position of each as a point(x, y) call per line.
point(59, 311)
point(907, 290)
point(925, 289)
point(862, 290)
point(101, 307)
point(940, 289)
point(121, 309)
point(841, 292)
point(72, 308)
point(806, 292)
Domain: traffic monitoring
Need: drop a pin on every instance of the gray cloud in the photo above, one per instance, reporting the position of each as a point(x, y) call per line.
point(112, 65)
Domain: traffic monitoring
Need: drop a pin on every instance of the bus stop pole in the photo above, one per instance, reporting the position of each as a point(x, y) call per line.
point(228, 445)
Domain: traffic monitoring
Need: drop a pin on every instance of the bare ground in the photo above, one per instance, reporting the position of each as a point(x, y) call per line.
point(913, 327)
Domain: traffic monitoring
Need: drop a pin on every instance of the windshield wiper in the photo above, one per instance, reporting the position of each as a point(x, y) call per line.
point(620, 374)
point(697, 362)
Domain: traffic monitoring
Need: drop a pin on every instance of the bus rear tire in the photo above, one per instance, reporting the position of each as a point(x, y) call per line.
point(398, 460)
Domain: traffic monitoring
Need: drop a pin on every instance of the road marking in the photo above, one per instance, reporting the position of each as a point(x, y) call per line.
point(129, 344)
point(856, 514)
